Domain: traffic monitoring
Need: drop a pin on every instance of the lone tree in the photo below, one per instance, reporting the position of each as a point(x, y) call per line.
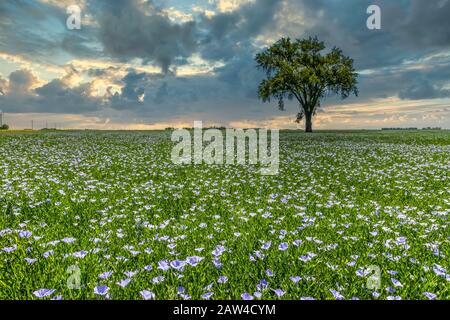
point(297, 69)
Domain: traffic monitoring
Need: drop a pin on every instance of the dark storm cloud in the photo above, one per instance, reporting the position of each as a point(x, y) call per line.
point(37, 31)
point(54, 97)
point(79, 45)
point(21, 81)
point(410, 28)
point(3, 86)
point(428, 24)
point(423, 89)
point(17, 35)
point(127, 33)
point(229, 34)
point(149, 91)
point(162, 93)
point(429, 83)
point(135, 84)
point(343, 24)
point(57, 97)
point(241, 76)
point(102, 72)
point(428, 80)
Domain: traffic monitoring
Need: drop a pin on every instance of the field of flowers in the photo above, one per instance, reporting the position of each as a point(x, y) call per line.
point(106, 215)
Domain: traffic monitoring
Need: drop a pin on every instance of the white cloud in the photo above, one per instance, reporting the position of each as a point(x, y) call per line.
point(177, 16)
point(231, 5)
point(63, 4)
point(206, 12)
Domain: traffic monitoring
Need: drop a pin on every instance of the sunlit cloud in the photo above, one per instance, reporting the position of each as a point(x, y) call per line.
point(230, 5)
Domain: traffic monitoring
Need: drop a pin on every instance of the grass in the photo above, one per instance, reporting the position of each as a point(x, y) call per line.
point(114, 202)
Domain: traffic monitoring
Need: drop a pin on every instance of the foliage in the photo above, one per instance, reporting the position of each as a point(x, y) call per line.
point(114, 202)
point(298, 69)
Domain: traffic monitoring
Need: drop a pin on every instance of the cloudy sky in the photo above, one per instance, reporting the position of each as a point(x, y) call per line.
point(143, 64)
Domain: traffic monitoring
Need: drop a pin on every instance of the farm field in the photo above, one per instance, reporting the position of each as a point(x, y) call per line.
point(107, 215)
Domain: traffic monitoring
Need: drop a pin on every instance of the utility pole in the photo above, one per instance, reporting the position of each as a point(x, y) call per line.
point(32, 125)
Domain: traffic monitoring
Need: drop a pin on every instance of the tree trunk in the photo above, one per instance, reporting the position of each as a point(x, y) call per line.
point(308, 119)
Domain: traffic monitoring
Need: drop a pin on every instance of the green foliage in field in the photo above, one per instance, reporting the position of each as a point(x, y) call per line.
point(112, 204)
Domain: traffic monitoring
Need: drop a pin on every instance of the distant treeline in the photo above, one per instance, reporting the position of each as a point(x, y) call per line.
point(427, 128)
point(191, 128)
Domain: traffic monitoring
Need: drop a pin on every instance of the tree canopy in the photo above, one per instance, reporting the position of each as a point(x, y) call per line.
point(298, 69)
